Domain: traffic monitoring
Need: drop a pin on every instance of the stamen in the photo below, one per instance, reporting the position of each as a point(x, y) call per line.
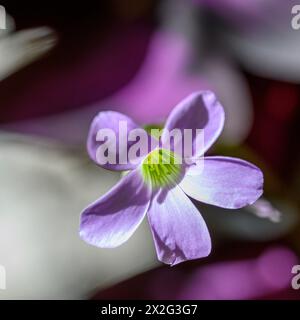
point(161, 168)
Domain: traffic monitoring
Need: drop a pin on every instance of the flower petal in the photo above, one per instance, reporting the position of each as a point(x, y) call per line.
point(111, 120)
point(178, 228)
point(111, 220)
point(200, 110)
point(225, 182)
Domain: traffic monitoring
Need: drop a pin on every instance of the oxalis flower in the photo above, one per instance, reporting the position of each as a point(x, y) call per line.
point(162, 190)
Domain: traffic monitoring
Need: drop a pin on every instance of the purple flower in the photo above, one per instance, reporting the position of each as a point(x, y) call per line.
point(178, 229)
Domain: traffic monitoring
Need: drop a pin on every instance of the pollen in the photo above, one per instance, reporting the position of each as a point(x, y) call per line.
point(161, 168)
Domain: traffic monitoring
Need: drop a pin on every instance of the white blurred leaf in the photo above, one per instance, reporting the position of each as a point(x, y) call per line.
point(18, 49)
point(43, 190)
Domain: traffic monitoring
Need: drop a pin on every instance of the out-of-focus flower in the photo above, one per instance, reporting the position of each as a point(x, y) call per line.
point(145, 76)
point(19, 48)
point(243, 272)
point(166, 75)
point(160, 189)
point(161, 81)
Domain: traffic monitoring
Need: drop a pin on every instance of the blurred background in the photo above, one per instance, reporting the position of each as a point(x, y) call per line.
point(62, 63)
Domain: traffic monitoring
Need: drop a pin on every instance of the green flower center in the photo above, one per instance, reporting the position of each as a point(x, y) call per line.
point(161, 168)
point(155, 130)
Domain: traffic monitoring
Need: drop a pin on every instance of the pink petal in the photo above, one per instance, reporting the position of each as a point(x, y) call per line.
point(111, 120)
point(225, 182)
point(200, 110)
point(111, 220)
point(178, 228)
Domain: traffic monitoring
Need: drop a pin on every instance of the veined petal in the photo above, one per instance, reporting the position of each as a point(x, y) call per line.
point(178, 228)
point(200, 110)
point(225, 182)
point(111, 220)
point(112, 120)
